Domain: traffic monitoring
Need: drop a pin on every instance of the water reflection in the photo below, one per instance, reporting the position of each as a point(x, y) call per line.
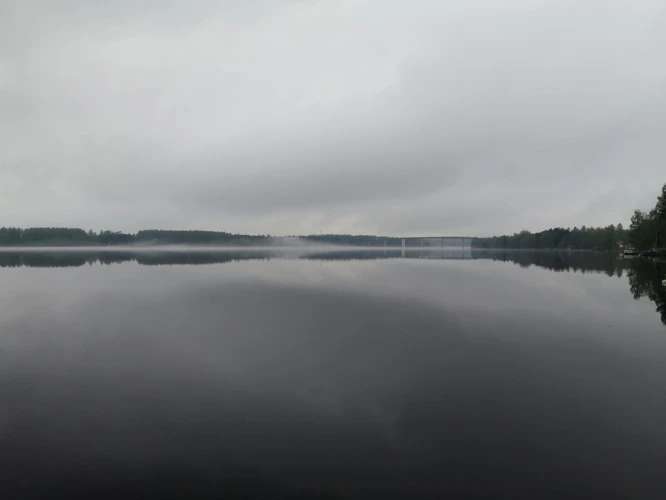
point(607, 263)
point(78, 259)
point(354, 374)
point(645, 276)
point(645, 280)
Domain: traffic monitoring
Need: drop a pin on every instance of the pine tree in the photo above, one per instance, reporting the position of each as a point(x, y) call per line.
point(660, 209)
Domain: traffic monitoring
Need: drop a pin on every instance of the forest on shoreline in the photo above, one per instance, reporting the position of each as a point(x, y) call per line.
point(63, 236)
point(646, 232)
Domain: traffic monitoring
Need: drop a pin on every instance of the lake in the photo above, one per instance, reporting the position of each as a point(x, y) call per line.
point(315, 373)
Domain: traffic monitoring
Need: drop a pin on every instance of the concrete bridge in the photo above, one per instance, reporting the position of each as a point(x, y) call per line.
point(393, 241)
point(439, 239)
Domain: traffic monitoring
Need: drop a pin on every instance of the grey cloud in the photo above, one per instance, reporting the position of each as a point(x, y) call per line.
point(353, 116)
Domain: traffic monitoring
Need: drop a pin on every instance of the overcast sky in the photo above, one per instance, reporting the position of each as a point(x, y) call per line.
point(387, 117)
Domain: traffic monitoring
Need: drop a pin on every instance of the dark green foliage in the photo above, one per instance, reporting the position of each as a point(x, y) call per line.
point(10, 236)
point(183, 237)
point(115, 238)
point(585, 238)
point(660, 208)
point(47, 236)
point(158, 236)
point(61, 236)
point(643, 230)
point(56, 236)
point(648, 230)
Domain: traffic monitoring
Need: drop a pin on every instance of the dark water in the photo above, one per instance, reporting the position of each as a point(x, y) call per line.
point(331, 375)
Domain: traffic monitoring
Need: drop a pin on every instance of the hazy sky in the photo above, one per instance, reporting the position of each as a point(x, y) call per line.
point(388, 117)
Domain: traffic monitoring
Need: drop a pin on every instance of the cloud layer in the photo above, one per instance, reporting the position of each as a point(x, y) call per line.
point(441, 117)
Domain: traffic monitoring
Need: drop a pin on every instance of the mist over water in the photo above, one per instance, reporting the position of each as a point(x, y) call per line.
point(322, 374)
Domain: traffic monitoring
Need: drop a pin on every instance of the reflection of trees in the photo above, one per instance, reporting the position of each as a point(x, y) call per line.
point(10, 260)
point(644, 275)
point(583, 262)
point(113, 258)
point(77, 259)
point(43, 260)
point(353, 255)
point(645, 278)
point(196, 258)
point(57, 259)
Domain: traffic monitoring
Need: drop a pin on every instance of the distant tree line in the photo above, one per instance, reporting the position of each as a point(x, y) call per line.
point(648, 229)
point(37, 235)
point(584, 238)
point(199, 238)
point(646, 232)
point(62, 236)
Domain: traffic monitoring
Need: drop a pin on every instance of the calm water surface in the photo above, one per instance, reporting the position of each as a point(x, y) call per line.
point(331, 375)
